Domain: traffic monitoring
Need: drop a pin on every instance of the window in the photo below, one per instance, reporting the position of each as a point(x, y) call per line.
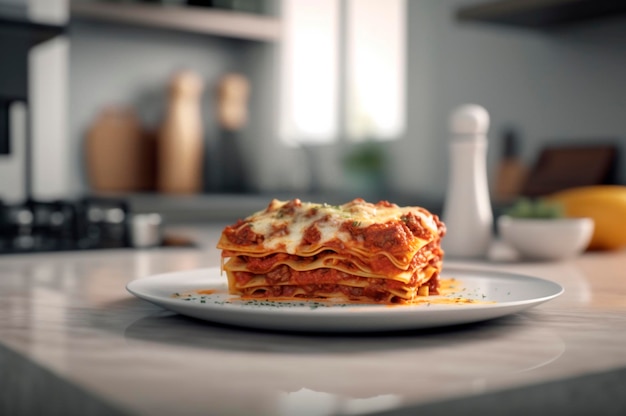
point(309, 68)
point(342, 70)
point(375, 69)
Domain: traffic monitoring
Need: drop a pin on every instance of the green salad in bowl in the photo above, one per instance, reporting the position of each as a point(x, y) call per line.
point(539, 230)
point(535, 208)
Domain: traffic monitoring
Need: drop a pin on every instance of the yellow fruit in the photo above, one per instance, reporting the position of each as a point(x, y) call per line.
point(606, 204)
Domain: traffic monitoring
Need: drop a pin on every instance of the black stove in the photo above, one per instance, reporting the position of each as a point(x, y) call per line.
point(82, 224)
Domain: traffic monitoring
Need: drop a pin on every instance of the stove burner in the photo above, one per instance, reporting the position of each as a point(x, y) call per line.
point(88, 223)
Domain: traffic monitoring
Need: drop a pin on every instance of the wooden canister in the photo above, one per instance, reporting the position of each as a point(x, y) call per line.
point(119, 154)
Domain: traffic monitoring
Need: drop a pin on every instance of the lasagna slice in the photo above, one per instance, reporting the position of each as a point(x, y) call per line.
point(355, 252)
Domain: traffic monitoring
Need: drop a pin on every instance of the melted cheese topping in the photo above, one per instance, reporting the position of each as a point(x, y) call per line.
point(327, 219)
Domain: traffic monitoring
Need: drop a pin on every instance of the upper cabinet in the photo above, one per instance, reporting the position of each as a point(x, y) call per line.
point(202, 20)
point(542, 14)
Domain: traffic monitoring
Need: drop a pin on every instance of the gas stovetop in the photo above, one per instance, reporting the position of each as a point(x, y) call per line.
point(87, 223)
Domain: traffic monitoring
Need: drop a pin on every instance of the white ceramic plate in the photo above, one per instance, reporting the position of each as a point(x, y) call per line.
point(496, 295)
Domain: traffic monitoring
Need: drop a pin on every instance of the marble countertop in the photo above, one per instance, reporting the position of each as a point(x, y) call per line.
point(74, 341)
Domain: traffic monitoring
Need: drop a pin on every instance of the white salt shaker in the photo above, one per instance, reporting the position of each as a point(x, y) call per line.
point(467, 208)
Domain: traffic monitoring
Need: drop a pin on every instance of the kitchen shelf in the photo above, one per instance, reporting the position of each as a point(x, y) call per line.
point(542, 14)
point(183, 18)
point(33, 33)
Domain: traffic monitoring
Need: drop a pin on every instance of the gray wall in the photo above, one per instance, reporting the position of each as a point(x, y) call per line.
point(552, 86)
point(565, 85)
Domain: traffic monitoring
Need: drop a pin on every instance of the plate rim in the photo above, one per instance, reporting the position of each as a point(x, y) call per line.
point(263, 317)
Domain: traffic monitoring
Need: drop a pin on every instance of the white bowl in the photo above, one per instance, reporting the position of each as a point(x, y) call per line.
point(546, 239)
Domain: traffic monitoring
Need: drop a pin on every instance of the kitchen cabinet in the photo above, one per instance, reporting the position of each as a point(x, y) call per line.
point(541, 14)
point(200, 20)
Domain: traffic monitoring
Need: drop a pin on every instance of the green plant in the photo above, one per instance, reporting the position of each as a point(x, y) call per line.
point(538, 208)
point(365, 157)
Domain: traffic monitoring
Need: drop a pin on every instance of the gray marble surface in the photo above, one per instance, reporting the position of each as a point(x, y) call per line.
point(74, 341)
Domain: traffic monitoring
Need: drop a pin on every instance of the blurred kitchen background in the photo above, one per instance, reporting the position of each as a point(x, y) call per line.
point(204, 110)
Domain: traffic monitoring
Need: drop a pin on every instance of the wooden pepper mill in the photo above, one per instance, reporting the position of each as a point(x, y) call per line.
point(181, 141)
point(232, 115)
